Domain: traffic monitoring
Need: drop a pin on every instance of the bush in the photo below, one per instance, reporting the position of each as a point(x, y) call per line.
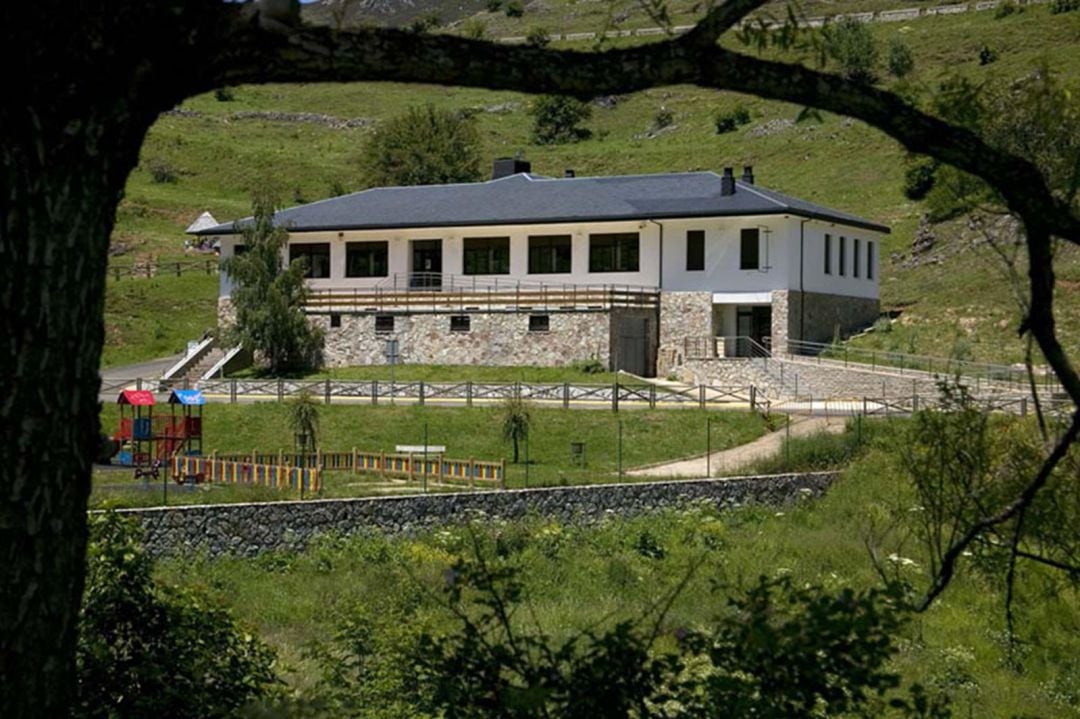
point(1006, 9)
point(663, 118)
point(493, 5)
point(1059, 6)
point(514, 8)
point(901, 59)
point(589, 366)
point(538, 36)
point(224, 94)
point(425, 23)
point(987, 55)
point(731, 120)
point(162, 172)
point(151, 651)
point(474, 29)
point(919, 179)
point(557, 120)
point(851, 44)
point(424, 146)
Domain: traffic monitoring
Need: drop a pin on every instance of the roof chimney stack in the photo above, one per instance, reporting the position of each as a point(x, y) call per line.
point(748, 174)
point(506, 166)
point(727, 183)
point(569, 172)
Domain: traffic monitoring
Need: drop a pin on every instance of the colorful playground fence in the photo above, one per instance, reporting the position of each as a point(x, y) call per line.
point(398, 466)
point(226, 471)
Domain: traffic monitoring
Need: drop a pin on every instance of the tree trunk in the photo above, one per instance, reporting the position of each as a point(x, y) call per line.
point(61, 186)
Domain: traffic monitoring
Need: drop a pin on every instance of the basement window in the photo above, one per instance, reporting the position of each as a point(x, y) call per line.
point(855, 257)
point(843, 256)
point(335, 320)
point(384, 323)
point(828, 254)
point(750, 249)
point(459, 323)
point(539, 323)
point(869, 260)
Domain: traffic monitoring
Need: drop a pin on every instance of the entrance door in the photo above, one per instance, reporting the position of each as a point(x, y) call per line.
point(426, 271)
point(633, 350)
point(755, 323)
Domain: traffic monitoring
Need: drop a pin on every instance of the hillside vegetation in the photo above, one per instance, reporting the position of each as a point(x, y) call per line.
point(305, 141)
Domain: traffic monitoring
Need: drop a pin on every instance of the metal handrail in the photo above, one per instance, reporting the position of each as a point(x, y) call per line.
point(905, 362)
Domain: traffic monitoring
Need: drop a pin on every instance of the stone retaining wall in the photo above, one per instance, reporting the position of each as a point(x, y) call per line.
point(250, 529)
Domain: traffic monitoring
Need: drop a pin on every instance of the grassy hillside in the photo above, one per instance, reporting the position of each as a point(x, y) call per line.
point(387, 591)
point(217, 156)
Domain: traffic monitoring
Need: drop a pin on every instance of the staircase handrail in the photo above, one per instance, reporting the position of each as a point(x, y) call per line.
point(219, 366)
point(190, 360)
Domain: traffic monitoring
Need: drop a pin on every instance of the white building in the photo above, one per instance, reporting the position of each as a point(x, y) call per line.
point(526, 269)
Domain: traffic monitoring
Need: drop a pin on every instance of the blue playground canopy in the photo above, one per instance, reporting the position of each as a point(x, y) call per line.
point(186, 396)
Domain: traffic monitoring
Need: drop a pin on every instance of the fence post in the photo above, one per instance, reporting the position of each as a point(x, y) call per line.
point(468, 393)
point(327, 391)
point(280, 390)
point(138, 383)
point(753, 398)
point(1023, 406)
point(502, 474)
point(472, 473)
point(652, 396)
point(232, 391)
point(566, 395)
point(281, 457)
point(615, 396)
point(421, 392)
point(701, 396)
point(318, 458)
point(374, 391)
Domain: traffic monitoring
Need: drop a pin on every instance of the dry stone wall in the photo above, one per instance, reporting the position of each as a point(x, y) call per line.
point(682, 315)
point(251, 529)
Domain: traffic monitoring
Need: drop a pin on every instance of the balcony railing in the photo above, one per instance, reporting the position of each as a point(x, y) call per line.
point(436, 292)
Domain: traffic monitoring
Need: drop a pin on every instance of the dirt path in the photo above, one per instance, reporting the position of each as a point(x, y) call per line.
point(736, 458)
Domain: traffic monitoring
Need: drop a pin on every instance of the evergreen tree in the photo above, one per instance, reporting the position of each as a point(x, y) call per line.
point(424, 146)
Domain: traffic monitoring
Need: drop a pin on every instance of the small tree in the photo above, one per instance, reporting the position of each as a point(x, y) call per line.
point(516, 421)
point(557, 119)
point(538, 36)
point(901, 59)
point(269, 300)
point(851, 44)
point(304, 421)
point(424, 146)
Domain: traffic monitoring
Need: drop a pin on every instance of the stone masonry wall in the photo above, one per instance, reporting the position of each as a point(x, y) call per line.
point(250, 529)
point(823, 316)
point(682, 315)
point(492, 339)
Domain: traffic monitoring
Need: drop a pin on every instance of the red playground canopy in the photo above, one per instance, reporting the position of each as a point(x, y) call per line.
point(136, 397)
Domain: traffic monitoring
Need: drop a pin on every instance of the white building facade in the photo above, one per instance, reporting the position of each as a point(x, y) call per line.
point(636, 272)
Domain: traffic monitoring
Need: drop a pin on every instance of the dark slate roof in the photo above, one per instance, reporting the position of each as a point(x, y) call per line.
point(534, 199)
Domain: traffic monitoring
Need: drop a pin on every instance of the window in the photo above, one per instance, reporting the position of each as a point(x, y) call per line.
point(366, 259)
point(384, 323)
point(487, 256)
point(539, 323)
point(317, 256)
point(750, 249)
point(695, 250)
point(549, 254)
point(459, 323)
point(856, 257)
point(614, 252)
point(869, 260)
point(843, 256)
point(335, 319)
point(828, 254)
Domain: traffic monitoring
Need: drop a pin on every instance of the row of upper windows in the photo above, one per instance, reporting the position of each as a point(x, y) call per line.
point(548, 254)
point(857, 258)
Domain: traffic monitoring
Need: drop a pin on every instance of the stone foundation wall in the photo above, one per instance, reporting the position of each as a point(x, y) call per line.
point(492, 339)
point(822, 317)
point(250, 529)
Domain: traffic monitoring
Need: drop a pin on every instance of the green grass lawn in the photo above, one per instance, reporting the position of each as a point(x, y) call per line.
point(579, 577)
point(647, 437)
point(219, 160)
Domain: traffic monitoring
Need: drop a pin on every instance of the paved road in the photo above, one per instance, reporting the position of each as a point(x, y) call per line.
point(153, 368)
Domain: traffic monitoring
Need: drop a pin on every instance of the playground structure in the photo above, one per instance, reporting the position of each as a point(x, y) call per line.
point(149, 442)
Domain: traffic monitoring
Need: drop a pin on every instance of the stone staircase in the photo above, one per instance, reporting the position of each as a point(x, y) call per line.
point(197, 370)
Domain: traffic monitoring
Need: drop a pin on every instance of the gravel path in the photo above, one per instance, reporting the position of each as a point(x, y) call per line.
point(736, 458)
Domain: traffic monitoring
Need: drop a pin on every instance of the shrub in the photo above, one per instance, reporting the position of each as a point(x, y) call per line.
point(1006, 9)
point(423, 146)
point(493, 5)
point(538, 36)
point(162, 172)
point(731, 120)
point(1059, 6)
point(901, 59)
point(919, 179)
point(514, 8)
point(474, 29)
point(151, 651)
point(516, 421)
point(589, 366)
point(851, 44)
point(224, 94)
point(425, 23)
point(663, 118)
point(987, 55)
point(557, 120)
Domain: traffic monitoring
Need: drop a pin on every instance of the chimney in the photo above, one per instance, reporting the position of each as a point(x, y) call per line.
point(569, 172)
point(748, 174)
point(506, 166)
point(727, 183)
